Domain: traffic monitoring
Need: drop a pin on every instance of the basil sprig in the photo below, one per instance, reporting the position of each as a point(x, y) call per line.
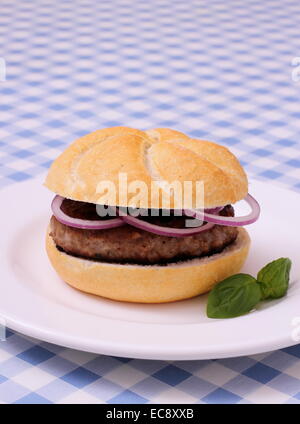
point(274, 278)
point(233, 297)
point(239, 294)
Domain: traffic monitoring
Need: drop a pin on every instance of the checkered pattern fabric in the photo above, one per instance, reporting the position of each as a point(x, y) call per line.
point(225, 71)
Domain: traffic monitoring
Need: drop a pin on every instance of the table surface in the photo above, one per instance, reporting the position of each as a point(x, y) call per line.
point(216, 70)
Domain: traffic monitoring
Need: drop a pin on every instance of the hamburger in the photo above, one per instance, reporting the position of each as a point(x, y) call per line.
point(122, 229)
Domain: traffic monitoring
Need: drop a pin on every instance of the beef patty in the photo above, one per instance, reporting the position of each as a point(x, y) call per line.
point(127, 244)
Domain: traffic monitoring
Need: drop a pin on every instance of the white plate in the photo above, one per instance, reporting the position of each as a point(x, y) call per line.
point(34, 301)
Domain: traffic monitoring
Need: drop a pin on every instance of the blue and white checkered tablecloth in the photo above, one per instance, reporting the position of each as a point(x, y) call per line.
point(226, 71)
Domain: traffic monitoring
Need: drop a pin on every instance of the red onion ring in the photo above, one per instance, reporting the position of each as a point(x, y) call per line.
point(163, 231)
point(193, 212)
point(214, 210)
point(209, 215)
point(82, 223)
point(234, 221)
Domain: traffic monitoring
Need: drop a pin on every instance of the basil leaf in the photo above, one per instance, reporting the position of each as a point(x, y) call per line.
point(233, 297)
point(274, 278)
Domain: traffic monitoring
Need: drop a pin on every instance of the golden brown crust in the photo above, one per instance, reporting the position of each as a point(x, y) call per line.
point(165, 134)
point(149, 284)
point(224, 160)
point(151, 157)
